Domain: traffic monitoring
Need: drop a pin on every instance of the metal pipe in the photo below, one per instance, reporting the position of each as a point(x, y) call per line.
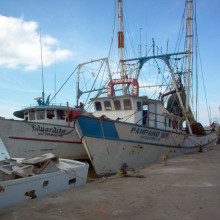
point(189, 36)
point(121, 42)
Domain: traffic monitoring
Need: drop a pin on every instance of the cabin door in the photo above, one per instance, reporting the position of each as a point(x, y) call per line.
point(145, 113)
point(152, 115)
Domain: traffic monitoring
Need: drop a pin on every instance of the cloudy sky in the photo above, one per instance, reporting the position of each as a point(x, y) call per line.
point(76, 31)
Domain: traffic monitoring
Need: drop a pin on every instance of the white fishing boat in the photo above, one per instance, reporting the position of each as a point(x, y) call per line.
point(21, 180)
point(44, 128)
point(131, 130)
point(49, 128)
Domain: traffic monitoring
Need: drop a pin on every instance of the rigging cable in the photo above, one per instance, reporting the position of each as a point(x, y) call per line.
point(128, 30)
point(63, 84)
point(203, 81)
point(196, 50)
point(113, 31)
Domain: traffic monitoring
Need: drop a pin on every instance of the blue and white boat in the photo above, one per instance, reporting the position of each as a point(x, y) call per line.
point(139, 141)
point(136, 131)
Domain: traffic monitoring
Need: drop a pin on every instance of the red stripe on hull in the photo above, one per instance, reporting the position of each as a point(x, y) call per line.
point(37, 139)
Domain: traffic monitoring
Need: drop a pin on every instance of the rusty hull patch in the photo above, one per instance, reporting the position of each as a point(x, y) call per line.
point(138, 146)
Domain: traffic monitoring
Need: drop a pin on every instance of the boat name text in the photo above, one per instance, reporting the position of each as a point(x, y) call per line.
point(52, 130)
point(148, 133)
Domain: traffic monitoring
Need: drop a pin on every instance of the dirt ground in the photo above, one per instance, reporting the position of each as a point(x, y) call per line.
point(187, 188)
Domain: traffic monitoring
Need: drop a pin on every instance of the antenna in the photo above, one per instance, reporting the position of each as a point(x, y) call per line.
point(153, 47)
point(140, 43)
point(146, 38)
point(55, 76)
point(167, 45)
point(42, 67)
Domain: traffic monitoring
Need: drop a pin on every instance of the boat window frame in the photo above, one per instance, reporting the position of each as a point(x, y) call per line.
point(139, 105)
point(60, 117)
point(30, 115)
point(177, 124)
point(125, 105)
point(145, 113)
point(26, 115)
point(53, 117)
point(98, 104)
point(165, 122)
point(170, 123)
point(38, 111)
point(107, 108)
point(116, 106)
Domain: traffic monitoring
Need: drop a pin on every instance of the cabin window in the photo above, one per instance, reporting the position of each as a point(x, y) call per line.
point(117, 105)
point(107, 105)
point(127, 104)
point(170, 123)
point(60, 114)
point(31, 115)
point(40, 115)
point(50, 114)
point(98, 106)
point(139, 106)
point(26, 116)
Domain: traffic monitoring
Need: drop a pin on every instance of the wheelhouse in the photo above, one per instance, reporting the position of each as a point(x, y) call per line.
point(138, 110)
point(52, 114)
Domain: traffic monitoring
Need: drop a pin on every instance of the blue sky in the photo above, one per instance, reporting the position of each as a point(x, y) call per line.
point(76, 31)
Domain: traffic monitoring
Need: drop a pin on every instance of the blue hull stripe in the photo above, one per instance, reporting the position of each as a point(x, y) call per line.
point(91, 127)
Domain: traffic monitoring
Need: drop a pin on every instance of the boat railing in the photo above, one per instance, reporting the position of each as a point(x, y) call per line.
point(51, 105)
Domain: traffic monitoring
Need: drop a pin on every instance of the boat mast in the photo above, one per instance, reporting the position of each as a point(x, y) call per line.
point(121, 42)
point(42, 68)
point(189, 37)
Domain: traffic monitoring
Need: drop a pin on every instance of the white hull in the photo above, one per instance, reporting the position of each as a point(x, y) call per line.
point(15, 190)
point(116, 143)
point(28, 139)
point(108, 156)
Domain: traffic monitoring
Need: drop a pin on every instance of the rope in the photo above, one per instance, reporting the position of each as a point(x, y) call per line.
point(196, 144)
point(118, 175)
point(74, 174)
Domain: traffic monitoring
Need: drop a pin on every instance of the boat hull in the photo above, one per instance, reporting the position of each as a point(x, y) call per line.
point(109, 144)
point(27, 139)
point(20, 190)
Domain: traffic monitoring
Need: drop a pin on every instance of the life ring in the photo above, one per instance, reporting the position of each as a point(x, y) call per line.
point(174, 123)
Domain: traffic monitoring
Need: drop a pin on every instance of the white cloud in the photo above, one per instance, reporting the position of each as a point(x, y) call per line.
point(20, 45)
point(7, 111)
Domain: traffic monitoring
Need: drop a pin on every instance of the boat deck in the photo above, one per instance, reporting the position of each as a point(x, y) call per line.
point(188, 187)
